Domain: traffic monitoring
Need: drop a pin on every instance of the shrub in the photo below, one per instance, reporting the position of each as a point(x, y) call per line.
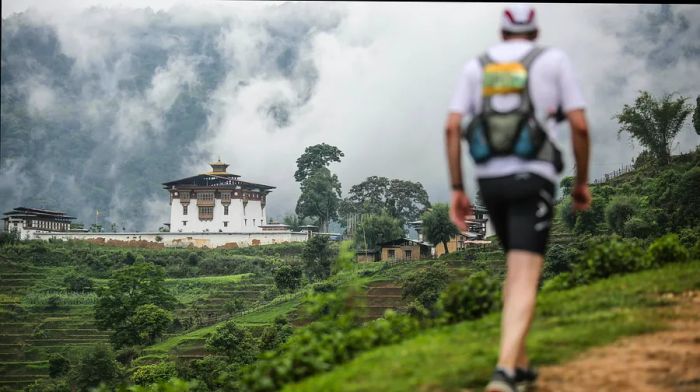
point(689, 236)
point(288, 277)
point(149, 374)
point(562, 281)
point(54, 302)
point(638, 227)
point(234, 305)
point(619, 210)
point(127, 354)
point(425, 285)
point(324, 287)
point(77, 283)
point(471, 298)
point(667, 249)
point(320, 346)
point(559, 259)
point(611, 257)
point(58, 365)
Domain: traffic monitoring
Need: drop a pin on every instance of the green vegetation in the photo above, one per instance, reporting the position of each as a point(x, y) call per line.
point(402, 200)
point(125, 303)
point(375, 229)
point(655, 123)
point(437, 227)
point(567, 322)
point(320, 189)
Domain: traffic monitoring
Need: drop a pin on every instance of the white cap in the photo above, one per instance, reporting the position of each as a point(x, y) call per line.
point(518, 18)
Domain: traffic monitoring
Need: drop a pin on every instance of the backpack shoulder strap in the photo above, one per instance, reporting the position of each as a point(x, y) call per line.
point(485, 59)
point(530, 57)
point(526, 100)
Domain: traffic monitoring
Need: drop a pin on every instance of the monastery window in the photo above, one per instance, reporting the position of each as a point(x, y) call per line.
point(184, 210)
point(245, 222)
point(207, 196)
point(225, 224)
point(206, 213)
point(226, 197)
point(253, 222)
point(184, 223)
point(225, 210)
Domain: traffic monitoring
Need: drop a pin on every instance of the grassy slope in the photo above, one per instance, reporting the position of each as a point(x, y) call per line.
point(462, 355)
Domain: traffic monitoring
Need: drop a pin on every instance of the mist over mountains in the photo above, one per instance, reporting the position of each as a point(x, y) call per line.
point(99, 106)
point(102, 128)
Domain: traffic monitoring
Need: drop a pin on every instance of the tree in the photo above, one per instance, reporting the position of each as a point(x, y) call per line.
point(293, 221)
point(95, 366)
point(696, 116)
point(437, 226)
point(376, 229)
point(149, 321)
point(654, 123)
point(320, 196)
point(314, 158)
point(235, 342)
point(129, 288)
point(566, 184)
point(401, 199)
point(288, 277)
point(407, 200)
point(317, 258)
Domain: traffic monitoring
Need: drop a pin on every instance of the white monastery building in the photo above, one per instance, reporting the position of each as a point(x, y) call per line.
point(217, 202)
point(30, 221)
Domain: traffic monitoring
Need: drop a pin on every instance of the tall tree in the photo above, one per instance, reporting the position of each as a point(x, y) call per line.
point(437, 227)
point(404, 200)
point(375, 229)
point(407, 200)
point(654, 123)
point(314, 158)
point(320, 196)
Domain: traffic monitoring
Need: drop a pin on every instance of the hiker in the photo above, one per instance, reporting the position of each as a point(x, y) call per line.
point(515, 94)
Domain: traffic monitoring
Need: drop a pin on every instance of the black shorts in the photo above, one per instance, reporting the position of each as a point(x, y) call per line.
point(520, 208)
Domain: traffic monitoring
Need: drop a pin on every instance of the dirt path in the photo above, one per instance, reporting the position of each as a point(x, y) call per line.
point(662, 361)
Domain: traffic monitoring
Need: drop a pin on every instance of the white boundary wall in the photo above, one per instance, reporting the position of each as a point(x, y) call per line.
point(199, 240)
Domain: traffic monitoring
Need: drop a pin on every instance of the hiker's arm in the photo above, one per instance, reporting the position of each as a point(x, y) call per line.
point(460, 202)
point(581, 143)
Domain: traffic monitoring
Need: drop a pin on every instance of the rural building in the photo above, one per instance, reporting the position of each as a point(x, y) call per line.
point(404, 249)
point(217, 202)
point(478, 228)
point(30, 221)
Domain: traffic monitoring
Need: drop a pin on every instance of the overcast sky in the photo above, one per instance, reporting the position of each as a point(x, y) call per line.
point(383, 76)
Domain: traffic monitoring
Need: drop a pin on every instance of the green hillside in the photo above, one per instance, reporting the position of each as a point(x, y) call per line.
point(567, 322)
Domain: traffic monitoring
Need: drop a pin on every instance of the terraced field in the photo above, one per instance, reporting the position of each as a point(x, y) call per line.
point(30, 332)
point(31, 329)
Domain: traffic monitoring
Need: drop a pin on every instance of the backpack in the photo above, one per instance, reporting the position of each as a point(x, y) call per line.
point(516, 132)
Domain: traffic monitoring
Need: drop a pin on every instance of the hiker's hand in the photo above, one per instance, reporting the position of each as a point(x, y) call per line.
point(459, 209)
point(581, 196)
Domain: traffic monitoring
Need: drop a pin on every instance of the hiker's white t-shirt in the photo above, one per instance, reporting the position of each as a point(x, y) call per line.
point(552, 84)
